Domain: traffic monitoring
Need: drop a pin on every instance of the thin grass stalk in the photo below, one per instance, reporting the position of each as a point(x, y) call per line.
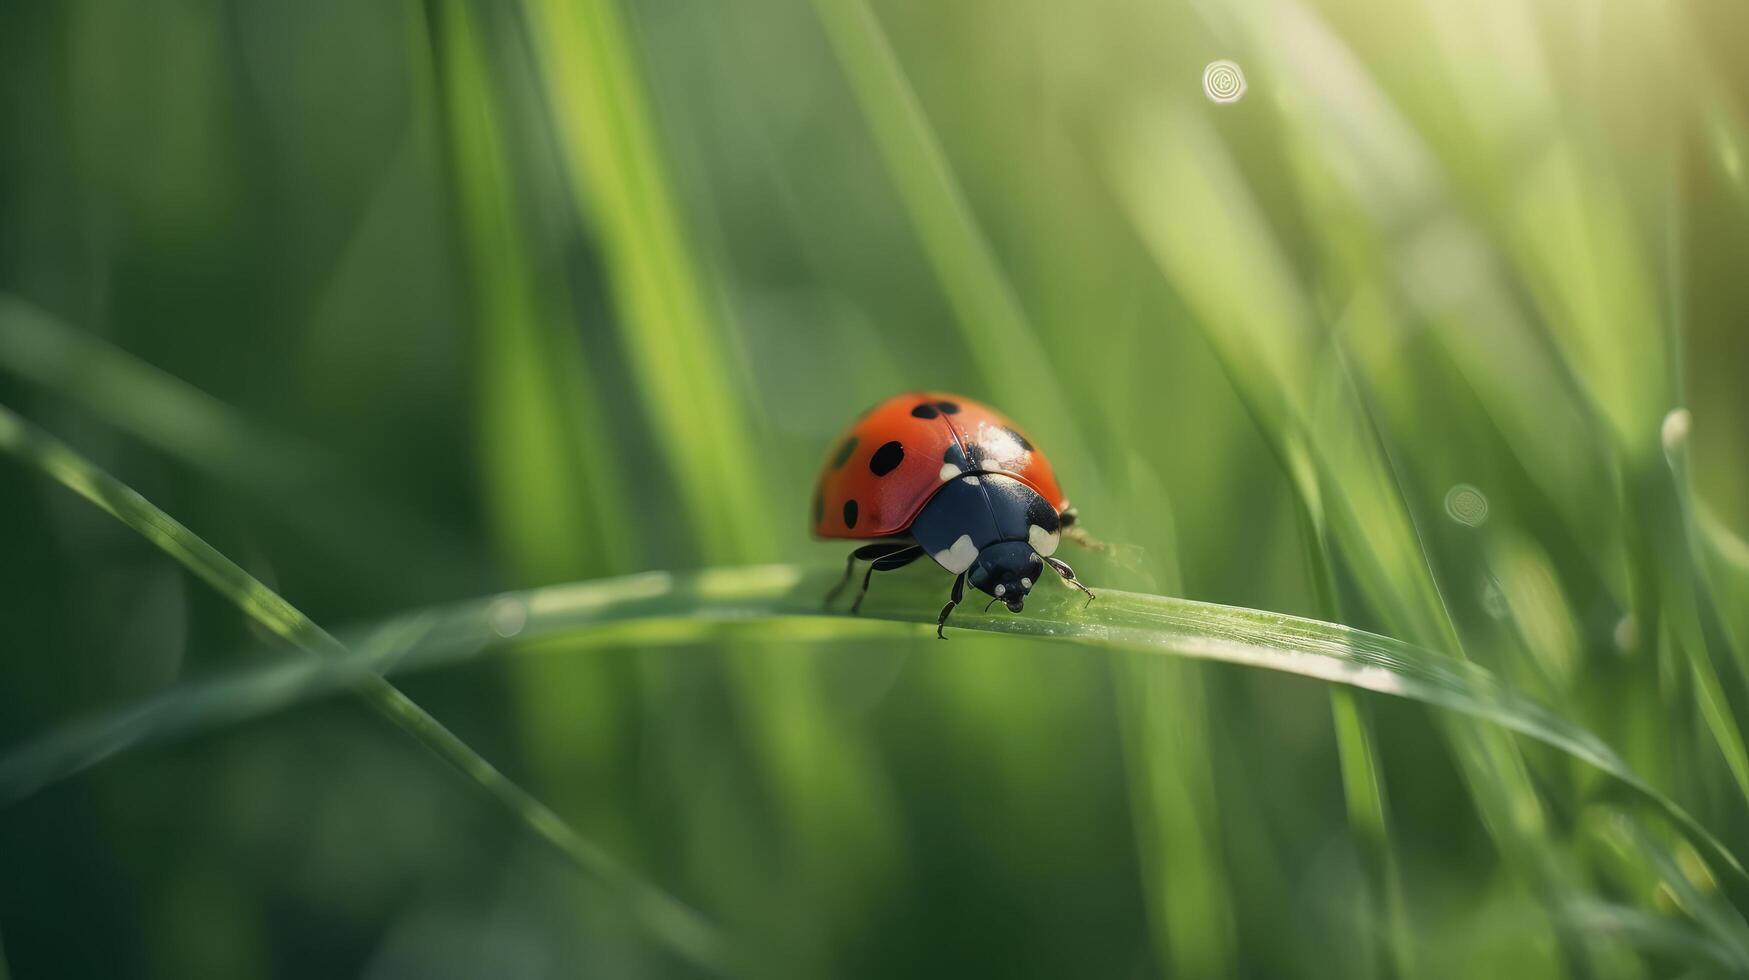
point(664, 917)
point(1363, 781)
point(681, 355)
point(619, 177)
point(549, 457)
point(994, 327)
point(1265, 336)
point(547, 454)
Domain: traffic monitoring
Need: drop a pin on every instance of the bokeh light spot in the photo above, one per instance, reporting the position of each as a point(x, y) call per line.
point(1223, 81)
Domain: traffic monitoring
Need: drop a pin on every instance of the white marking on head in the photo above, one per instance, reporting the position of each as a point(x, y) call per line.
point(1000, 588)
point(949, 471)
point(1044, 542)
point(1026, 583)
point(972, 480)
point(960, 556)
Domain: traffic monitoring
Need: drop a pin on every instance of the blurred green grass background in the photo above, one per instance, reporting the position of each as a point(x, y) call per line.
point(1438, 332)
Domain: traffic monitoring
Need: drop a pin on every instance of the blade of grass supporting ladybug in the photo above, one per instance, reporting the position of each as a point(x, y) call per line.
point(996, 330)
point(664, 917)
point(216, 439)
point(781, 603)
point(1207, 236)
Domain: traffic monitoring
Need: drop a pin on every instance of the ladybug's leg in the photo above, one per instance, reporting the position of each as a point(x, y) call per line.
point(898, 559)
point(868, 552)
point(1062, 568)
point(959, 592)
point(1074, 531)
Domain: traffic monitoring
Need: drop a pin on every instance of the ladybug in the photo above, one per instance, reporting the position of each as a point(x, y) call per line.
point(928, 473)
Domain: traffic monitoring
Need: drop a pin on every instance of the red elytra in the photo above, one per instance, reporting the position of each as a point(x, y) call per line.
point(892, 460)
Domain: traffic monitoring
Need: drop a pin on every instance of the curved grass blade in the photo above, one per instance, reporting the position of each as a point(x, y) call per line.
point(1648, 932)
point(782, 602)
point(663, 915)
point(545, 451)
point(1213, 242)
point(1727, 557)
point(214, 438)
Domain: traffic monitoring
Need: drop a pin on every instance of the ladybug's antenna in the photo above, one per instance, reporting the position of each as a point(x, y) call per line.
point(987, 605)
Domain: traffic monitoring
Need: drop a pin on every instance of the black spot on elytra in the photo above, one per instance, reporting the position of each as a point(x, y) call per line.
point(925, 411)
point(886, 459)
point(850, 513)
point(844, 452)
point(948, 408)
point(1018, 438)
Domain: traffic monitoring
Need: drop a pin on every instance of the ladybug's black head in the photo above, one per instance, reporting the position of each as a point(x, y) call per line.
point(1008, 571)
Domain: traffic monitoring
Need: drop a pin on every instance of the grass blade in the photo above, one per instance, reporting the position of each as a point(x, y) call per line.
point(546, 454)
point(783, 602)
point(682, 355)
point(995, 327)
point(1163, 715)
point(619, 176)
point(662, 915)
point(1212, 240)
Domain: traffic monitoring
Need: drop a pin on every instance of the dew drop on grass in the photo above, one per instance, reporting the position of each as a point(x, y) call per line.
point(1674, 432)
point(1466, 505)
point(508, 616)
point(1627, 634)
